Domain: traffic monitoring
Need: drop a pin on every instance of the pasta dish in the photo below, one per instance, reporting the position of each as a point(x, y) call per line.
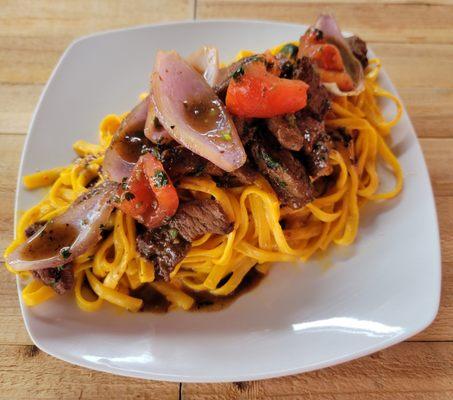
point(218, 172)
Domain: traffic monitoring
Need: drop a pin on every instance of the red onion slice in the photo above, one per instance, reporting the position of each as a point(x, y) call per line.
point(68, 235)
point(154, 131)
point(120, 157)
point(206, 61)
point(332, 34)
point(192, 113)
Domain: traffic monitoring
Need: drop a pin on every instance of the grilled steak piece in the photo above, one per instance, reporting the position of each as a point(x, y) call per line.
point(317, 161)
point(245, 175)
point(343, 142)
point(286, 131)
point(167, 245)
point(318, 102)
point(311, 129)
point(195, 218)
point(61, 279)
point(179, 161)
point(245, 128)
point(359, 49)
point(164, 247)
point(284, 172)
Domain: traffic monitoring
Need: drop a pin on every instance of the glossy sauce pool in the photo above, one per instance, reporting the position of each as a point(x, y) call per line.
point(153, 301)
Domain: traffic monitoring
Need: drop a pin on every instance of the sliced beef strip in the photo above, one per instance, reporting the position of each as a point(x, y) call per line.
point(61, 279)
point(245, 128)
point(302, 129)
point(195, 218)
point(245, 175)
point(311, 129)
point(179, 161)
point(318, 161)
point(359, 49)
point(343, 142)
point(286, 131)
point(165, 248)
point(296, 131)
point(284, 172)
point(318, 102)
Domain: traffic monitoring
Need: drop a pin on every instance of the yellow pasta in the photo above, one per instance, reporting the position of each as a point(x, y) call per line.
point(218, 263)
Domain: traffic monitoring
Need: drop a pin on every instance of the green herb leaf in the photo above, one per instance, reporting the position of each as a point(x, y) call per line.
point(129, 196)
point(226, 135)
point(124, 184)
point(65, 253)
point(289, 50)
point(173, 233)
point(270, 162)
point(160, 178)
point(238, 73)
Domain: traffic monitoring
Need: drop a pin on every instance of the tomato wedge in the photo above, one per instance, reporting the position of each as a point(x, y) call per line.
point(326, 56)
point(253, 92)
point(148, 195)
point(342, 79)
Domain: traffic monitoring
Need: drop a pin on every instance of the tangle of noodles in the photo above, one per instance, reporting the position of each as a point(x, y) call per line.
point(216, 263)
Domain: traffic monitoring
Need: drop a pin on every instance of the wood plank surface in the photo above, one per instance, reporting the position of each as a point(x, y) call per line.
point(407, 371)
point(414, 40)
point(389, 21)
point(28, 373)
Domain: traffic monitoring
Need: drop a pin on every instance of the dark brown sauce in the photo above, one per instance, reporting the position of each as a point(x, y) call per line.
point(131, 147)
point(50, 241)
point(154, 301)
point(202, 114)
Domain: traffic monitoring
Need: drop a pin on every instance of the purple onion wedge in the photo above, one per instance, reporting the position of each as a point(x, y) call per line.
point(192, 114)
point(69, 235)
point(332, 34)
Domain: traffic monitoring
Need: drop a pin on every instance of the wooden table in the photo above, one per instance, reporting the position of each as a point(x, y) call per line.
point(414, 38)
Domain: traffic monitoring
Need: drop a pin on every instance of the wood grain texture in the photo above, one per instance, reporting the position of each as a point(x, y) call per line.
point(414, 39)
point(28, 373)
point(392, 22)
point(407, 371)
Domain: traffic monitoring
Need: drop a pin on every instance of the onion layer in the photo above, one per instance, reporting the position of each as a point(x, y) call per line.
point(68, 235)
point(192, 114)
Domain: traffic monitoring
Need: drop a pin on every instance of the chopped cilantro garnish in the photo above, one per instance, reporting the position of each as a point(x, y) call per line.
point(124, 184)
point(65, 253)
point(160, 178)
point(270, 162)
point(226, 134)
point(289, 50)
point(129, 196)
point(238, 73)
point(173, 233)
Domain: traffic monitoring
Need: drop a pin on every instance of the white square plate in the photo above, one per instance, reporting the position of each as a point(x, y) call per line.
point(378, 292)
